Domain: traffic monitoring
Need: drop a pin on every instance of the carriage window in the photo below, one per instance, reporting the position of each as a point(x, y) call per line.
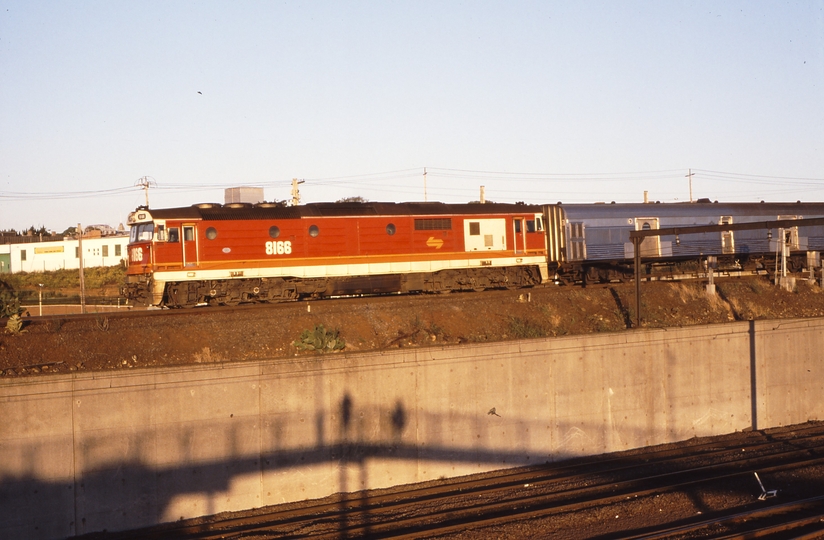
point(576, 229)
point(474, 228)
point(390, 229)
point(314, 231)
point(174, 234)
point(274, 231)
point(211, 233)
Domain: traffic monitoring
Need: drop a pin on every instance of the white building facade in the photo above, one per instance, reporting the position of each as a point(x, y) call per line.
point(65, 254)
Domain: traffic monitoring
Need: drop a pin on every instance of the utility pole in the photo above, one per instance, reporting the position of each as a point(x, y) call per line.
point(690, 177)
point(145, 182)
point(296, 191)
point(82, 280)
point(424, 185)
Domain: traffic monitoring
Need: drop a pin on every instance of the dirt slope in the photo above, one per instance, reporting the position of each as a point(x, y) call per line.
point(212, 335)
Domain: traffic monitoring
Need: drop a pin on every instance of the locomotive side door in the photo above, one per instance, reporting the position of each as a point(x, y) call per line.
point(519, 235)
point(189, 243)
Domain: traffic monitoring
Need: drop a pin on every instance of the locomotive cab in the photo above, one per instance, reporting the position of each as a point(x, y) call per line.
point(141, 236)
point(140, 255)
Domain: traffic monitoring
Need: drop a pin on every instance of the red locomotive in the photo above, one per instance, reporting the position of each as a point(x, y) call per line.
point(240, 252)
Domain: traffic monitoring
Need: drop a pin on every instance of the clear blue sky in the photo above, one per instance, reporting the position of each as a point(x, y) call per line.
point(537, 101)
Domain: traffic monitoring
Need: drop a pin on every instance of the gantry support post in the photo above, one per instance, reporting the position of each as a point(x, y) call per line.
point(636, 250)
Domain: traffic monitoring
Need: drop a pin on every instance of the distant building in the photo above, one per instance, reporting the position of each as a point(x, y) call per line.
point(252, 195)
point(98, 230)
point(33, 256)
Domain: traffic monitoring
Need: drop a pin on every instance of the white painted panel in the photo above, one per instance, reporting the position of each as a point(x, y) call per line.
point(380, 268)
point(491, 234)
point(351, 270)
point(348, 269)
point(421, 266)
point(400, 267)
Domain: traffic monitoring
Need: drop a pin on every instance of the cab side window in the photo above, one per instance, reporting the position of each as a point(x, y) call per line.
point(174, 234)
point(145, 232)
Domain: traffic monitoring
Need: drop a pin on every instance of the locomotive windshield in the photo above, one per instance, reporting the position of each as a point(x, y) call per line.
point(141, 233)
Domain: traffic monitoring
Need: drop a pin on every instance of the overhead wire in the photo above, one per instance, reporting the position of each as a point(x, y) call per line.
point(528, 185)
point(22, 195)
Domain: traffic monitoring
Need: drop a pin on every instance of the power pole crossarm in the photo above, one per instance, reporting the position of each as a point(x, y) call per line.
point(296, 191)
point(144, 182)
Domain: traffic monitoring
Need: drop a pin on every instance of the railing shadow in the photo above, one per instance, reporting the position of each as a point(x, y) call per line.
point(114, 490)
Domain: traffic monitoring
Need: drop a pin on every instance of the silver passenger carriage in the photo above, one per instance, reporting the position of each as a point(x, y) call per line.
point(591, 241)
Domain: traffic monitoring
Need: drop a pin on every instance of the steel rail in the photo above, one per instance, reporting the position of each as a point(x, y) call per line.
point(334, 514)
point(755, 513)
point(504, 512)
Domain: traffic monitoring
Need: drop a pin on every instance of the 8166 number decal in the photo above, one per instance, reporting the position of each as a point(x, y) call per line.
point(279, 247)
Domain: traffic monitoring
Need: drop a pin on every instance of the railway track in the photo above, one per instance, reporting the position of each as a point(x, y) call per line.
point(127, 312)
point(798, 519)
point(556, 499)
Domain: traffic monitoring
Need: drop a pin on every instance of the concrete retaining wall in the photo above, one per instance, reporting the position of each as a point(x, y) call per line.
point(87, 452)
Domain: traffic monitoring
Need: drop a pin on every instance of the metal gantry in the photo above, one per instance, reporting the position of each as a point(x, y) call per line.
point(638, 236)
